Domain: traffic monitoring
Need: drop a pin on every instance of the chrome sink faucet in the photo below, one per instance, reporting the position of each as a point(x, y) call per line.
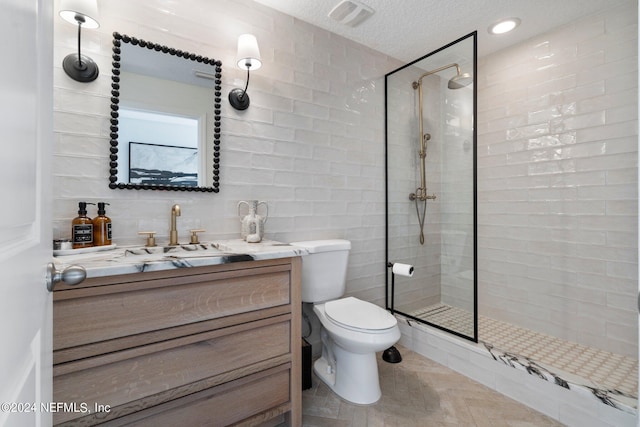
point(173, 233)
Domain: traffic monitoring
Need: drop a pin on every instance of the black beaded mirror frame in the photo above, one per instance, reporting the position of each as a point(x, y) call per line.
point(118, 39)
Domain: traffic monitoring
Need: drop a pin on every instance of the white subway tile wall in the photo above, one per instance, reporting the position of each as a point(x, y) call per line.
point(311, 144)
point(557, 182)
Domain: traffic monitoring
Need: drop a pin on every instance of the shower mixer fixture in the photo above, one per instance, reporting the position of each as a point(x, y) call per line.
point(421, 192)
point(458, 81)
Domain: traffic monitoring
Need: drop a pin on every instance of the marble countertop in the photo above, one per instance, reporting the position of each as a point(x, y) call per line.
point(138, 259)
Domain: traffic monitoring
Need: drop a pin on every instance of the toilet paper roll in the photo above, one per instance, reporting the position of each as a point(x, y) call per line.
point(402, 269)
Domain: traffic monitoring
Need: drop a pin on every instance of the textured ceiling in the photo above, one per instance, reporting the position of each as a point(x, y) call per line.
point(409, 29)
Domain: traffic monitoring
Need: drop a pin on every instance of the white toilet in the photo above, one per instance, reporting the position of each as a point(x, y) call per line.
point(353, 330)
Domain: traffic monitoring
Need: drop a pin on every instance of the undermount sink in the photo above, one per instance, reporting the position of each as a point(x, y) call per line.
point(200, 249)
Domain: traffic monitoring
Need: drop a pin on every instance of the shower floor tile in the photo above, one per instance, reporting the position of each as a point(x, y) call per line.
point(448, 317)
point(608, 370)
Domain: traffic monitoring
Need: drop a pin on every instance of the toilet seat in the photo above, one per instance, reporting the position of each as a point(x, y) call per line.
point(358, 315)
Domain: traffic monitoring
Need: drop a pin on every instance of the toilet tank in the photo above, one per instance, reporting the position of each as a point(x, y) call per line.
point(324, 269)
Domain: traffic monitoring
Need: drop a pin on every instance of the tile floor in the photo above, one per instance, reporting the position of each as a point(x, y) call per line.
point(420, 392)
point(607, 370)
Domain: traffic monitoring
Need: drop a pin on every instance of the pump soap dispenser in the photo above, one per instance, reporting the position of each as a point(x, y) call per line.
point(101, 227)
point(82, 228)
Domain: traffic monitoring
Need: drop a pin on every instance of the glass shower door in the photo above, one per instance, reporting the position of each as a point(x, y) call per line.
point(431, 191)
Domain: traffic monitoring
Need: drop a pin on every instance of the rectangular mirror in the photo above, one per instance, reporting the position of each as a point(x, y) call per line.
point(165, 118)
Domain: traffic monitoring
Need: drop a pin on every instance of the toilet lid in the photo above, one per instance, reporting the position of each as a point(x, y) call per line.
point(355, 313)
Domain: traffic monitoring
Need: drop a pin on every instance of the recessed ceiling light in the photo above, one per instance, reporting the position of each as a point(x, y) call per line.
point(504, 26)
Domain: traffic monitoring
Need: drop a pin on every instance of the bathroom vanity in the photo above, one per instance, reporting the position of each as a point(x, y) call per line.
point(181, 342)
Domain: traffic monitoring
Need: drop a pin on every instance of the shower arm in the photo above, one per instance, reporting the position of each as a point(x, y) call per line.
point(437, 70)
point(421, 193)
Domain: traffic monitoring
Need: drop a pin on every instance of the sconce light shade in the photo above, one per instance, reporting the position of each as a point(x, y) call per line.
point(248, 58)
point(81, 13)
point(87, 10)
point(248, 52)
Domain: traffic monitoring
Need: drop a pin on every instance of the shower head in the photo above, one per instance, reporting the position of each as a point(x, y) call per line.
point(460, 80)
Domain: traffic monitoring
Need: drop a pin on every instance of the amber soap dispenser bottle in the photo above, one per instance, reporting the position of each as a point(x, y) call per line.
point(82, 228)
point(101, 227)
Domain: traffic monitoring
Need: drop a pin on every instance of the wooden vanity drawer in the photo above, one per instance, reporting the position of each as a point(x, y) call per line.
point(224, 405)
point(83, 316)
point(139, 377)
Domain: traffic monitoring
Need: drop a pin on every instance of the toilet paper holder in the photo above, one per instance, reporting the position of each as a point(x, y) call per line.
point(392, 355)
point(401, 269)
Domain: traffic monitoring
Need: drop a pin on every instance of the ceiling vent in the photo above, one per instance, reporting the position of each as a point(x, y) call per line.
point(350, 12)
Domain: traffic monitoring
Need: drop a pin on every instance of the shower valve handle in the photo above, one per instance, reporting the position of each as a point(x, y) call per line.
point(420, 194)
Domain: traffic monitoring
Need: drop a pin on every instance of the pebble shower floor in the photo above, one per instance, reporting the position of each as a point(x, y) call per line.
point(609, 370)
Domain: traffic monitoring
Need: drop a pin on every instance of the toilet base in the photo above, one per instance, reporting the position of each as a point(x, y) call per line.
point(354, 376)
point(323, 371)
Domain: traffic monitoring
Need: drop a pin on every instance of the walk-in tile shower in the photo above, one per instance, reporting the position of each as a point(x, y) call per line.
point(523, 233)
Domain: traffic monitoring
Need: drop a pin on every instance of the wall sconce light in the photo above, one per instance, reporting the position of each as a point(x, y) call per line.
point(248, 58)
point(81, 13)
